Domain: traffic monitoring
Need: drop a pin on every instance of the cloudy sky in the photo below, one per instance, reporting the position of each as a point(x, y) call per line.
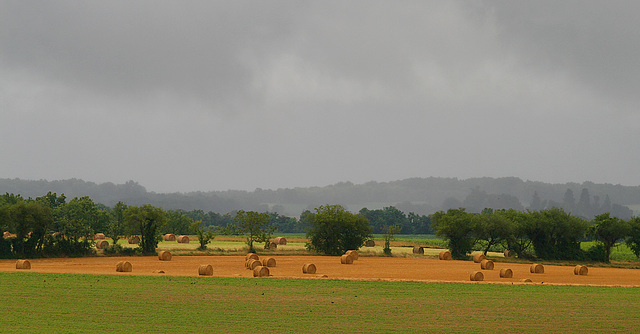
point(217, 95)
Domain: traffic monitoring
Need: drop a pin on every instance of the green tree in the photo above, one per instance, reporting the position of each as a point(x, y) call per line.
point(608, 231)
point(388, 236)
point(518, 241)
point(145, 221)
point(556, 235)
point(492, 227)
point(457, 227)
point(334, 230)
point(177, 223)
point(117, 225)
point(204, 237)
point(30, 220)
point(633, 240)
point(257, 227)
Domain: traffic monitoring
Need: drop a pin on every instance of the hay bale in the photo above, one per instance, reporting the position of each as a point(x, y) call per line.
point(134, 240)
point(309, 268)
point(477, 258)
point(169, 237)
point(260, 271)
point(509, 253)
point(370, 243)
point(98, 236)
point(273, 245)
point(580, 270)
point(183, 239)
point(102, 244)
point(444, 255)
point(477, 276)
point(353, 253)
point(164, 256)
point(205, 270)
point(346, 259)
point(280, 240)
point(486, 265)
point(252, 256)
point(526, 280)
point(269, 262)
point(506, 273)
point(124, 267)
point(537, 268)
point(252, 263)
point(418, 250)
point(23, 264)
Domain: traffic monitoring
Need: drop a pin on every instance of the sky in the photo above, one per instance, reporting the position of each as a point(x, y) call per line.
point(214, 95)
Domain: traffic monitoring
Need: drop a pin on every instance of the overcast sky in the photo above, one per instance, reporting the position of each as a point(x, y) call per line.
point(217, 95)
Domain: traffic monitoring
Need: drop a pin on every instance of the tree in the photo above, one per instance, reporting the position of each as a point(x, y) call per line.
point(457, 227)
point(519, 241)
point(116, 226)
point(493, 227)
point(608, 231)
point(256, 225)
point(145, 221)
point(556, 235)
point(334, 230)
point(177, 223)
point(633, 240)
point(203, 237)
point(388, 236)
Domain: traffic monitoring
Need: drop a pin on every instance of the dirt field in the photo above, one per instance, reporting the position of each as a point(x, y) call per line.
point(365, 268)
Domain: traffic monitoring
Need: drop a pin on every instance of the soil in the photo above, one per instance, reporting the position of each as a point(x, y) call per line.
point(365, 268)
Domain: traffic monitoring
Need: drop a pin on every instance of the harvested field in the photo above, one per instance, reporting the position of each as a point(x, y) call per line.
point(366, 268)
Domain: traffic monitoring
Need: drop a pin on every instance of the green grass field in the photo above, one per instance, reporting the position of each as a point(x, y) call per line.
point(59, 303)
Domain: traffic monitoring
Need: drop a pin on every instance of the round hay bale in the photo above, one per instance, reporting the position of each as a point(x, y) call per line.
point(418, 250)
point(252, 256)
point(309, 268)
point(260, 271)
point(23, 264)
point(205, 270)
point(124, 266)
point(99, 236)
point(537, 268)
point(102, 244)
point(486, 265)
point(164, 256)
point(580, 270)
point(478, 257)
point(370, 243)
point(273, 245)
point(134, 240)
point(506, 273)
point(280, 240)
point(269, 262)
point(444, 255)
point(353, 253)
point(526, 280)
point(183, 239)
point(477, 276)
point(252, 263)
point(509, 253)
point(169, 237)
point(346, 259)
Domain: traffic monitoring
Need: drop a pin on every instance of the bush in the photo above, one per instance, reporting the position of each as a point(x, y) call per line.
point(597, 253)
point(335, 230)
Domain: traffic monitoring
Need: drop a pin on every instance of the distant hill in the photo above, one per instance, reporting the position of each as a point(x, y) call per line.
point(419, 195)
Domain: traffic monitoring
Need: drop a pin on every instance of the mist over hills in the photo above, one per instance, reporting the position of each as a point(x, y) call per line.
point(419, 195)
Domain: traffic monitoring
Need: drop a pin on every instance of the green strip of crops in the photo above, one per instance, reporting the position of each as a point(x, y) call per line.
point(60, 303)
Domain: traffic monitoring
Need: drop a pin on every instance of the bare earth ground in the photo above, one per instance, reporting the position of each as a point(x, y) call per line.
point(365, 268)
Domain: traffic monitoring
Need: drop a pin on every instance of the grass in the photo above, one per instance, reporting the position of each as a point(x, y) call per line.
point(45, 303)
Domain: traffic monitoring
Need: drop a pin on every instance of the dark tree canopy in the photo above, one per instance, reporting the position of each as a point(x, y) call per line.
point(334, 230)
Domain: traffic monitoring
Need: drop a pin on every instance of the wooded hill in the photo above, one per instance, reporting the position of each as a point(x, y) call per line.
point(419, 195)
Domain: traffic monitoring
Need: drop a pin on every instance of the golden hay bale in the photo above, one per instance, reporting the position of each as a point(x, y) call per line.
point(205, 270)
point(124, 266)
point(444, 255)
point(164, 256)
point(169, 237)
point(273, 245)
point(369, 243)
point(477, 258)
point(252, 256)
point(134, 240)
point(476, 276)
point(269, 262)
point(102, 244)
point(418, 250)
point(280, 240)
point(537, 268)
point(353, 253)
point(183, 239)
point(580, 270)
point(309, 268)
point(260, 271)
point(509, 253)
point(252, 263)
point(526, 280)
point(346, 259)
point(99, 236)
point(506, 273)
point(486, 265)
point(23, 264)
